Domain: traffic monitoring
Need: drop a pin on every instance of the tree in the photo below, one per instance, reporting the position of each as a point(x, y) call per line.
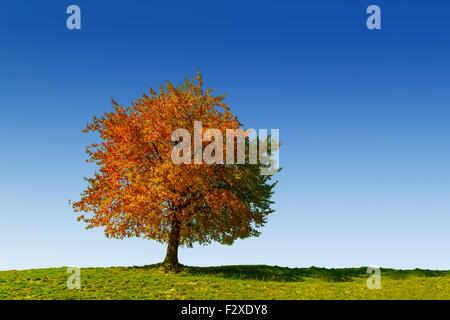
point(139, 191)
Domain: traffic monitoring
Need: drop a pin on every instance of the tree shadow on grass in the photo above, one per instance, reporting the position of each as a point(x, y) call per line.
point(276, 273)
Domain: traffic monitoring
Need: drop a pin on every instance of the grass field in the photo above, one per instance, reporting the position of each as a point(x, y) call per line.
point(227, 282)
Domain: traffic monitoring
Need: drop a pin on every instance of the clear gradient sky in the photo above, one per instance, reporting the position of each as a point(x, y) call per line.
point(364, 117)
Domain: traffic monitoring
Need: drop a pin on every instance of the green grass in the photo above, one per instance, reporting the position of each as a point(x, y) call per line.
point(226, 282)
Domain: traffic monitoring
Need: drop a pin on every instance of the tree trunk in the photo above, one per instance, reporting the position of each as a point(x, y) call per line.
point(171, 261)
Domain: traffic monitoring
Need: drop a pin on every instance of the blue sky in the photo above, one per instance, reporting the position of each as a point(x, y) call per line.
point(363, 117)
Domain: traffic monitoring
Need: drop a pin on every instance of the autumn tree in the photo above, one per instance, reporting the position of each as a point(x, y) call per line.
point(138, 190)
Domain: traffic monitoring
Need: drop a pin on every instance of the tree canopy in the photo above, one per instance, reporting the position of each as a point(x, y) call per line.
point(138, 190)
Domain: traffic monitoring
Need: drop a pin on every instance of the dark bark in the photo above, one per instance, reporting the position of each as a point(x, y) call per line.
point(171, 261)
